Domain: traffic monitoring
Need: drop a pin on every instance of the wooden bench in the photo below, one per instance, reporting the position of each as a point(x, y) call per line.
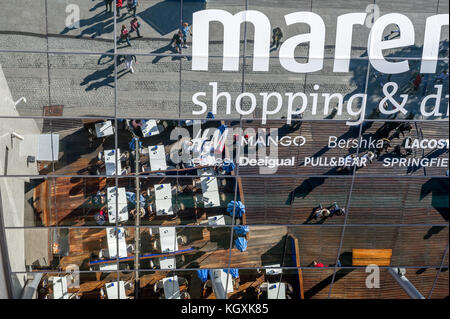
point(364, 257)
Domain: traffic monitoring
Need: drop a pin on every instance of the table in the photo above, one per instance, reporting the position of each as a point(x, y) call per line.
point(220, 277)
point(168, 239)
point(60, 288)
point(167, 263)
point(149, 128)
point(117, 195)
point(112, 266)
point(210, 189)
point(103, 129)
point(110, 162)
point(276, 291)
point(113, 289)
point(193, 122)
point(157, 158)
point(273, 270)
point(171, 288)
point(112, 242)
point(48, 147)
point(163, 199)
point(216, 220)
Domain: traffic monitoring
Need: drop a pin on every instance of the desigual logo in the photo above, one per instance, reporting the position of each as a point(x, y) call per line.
point(316, 39)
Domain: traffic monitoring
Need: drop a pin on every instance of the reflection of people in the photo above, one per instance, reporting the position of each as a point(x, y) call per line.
point(277, 34)
point(442, 77)
point(129, 58)
point(124, 35)
point(336, 210)
point(321, 213)
point(185, 30)
point(135, 25)
point(119, 4)
point(176, 41)
point(100, 217)
point(132, 6)
point(317, 264)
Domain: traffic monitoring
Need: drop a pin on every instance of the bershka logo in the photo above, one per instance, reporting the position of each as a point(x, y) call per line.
point(316, 39)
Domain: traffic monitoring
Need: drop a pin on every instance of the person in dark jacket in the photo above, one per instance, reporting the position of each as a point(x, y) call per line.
point(277, 35)
point(108, 5)
point(132, 6)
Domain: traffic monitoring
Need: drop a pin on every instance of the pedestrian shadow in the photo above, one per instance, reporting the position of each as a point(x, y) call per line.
point(97, 23)
point(99, 78)
point(161, 50)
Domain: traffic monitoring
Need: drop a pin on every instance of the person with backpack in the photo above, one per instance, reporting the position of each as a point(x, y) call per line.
point(135, 25)
point(124, 35)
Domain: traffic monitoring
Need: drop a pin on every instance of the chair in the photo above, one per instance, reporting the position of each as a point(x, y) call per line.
point(182, 240)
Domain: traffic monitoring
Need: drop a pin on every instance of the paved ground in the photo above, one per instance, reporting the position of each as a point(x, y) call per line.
point(84, 83)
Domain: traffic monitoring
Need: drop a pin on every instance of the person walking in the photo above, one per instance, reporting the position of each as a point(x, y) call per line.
point(124, 35)
point(442, 77)
point(132, 6)
point(336, 210)
point(135, 25)
point(277, 34)
point(176, 41)
point(185, 29)
point(108, 5)
point(129, 58)
point(119, 4)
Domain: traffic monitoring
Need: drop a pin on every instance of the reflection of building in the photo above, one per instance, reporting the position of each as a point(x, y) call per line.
point(93, 195)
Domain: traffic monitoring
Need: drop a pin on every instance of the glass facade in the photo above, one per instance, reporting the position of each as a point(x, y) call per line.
point(128, 171)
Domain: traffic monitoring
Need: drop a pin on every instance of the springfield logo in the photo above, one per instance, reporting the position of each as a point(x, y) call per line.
point(376, 44)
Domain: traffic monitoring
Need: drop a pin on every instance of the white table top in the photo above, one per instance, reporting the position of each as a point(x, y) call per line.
point(171, 288)
point(167, 263)
point(222, 276)
point(209, 184)
point(60, 288)
point(216, 220)
point(157, 158)
point(273, 270)
point(104, 129)
point(163, 191)
point(211, 199)
point(210, 187)
point(110, 162)
point(163, 199)
point(276, 291)
point(113, 293)
point(120, 196)
point(168, 239)
point(48, 147)
point(150, 128)
point(112, 242)
point(112, 266)
point(206, 171)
